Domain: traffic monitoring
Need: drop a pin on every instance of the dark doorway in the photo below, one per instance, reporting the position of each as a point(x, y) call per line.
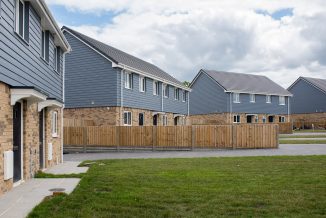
point(17, 149)
point(176, 121)
point(141, 119)
point(41, 138)
point(249, 119)
point(271, 119)
point(155, 120)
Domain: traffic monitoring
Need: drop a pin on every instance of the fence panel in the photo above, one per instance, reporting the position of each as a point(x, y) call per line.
point(176, 137)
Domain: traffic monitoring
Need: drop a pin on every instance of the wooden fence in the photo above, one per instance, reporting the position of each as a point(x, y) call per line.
point(172, 137)
point(77, 122)
point(285, 128)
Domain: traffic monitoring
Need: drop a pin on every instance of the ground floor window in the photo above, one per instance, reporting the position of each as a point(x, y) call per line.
point(54, 123)
point(256, 119)
point(282, 119)
point(264, 119)
point(127, 118)
point(236, 118)
point(165, 120)
point(271, 119)
point(141, 119)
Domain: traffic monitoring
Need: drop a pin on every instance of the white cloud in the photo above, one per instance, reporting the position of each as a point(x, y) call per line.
point(183, 36)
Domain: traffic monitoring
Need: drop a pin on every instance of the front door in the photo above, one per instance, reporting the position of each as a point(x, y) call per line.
point(249, 119)
point(17, 145)
point(271, 119)
point(176, 121)
point(41, 138)
point(141, 119)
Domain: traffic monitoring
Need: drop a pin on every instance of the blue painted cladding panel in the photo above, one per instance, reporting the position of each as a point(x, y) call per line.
point(307, 99)
point(260, 106)
point(146, 100)
point(207, 97)
point(90, 80)
point(20, 62)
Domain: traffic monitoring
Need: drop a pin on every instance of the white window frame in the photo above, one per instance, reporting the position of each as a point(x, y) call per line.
point(165, 120)
point(252, 98)
point(268, 99)
point(129, 118)
point(283, 119)
point(128, 80)
point(236, 118)
point(184, 96)
point(54, 124)
point(155, 87)
point(176, 94)
point(236, 97)
point(55, 61)
point(142, 84)
point(281, 100)
point(43, 44)
point(264, 119)
point(165, 90)
point(17, 18)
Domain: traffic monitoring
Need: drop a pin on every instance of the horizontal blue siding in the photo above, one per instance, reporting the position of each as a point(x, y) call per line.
point(20, 63)
point(207, 97)
point(90, 80)
point(260, 106)
point(307, 99)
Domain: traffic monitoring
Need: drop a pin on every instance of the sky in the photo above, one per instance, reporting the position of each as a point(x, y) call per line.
point(279, 39)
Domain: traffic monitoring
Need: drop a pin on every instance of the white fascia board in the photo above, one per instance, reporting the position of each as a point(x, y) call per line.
point(53, 26)
point(49, 103)
point(151, 76)
point(257, 93)
point(19, 94)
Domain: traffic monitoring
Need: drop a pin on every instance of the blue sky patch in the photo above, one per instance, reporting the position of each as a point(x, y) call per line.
point(277, 15)
point(77, 18)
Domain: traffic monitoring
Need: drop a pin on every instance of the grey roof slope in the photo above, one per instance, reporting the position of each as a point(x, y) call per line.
point(120, 57)
point(320, 83)
point(246, 83)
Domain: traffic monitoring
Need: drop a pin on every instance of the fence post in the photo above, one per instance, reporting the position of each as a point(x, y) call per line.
point(117, 137)
point(234, 137)
point(85, 139)
point(193, 133)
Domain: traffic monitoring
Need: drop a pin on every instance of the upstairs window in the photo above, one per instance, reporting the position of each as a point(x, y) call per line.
point(236, 118)
point(128, 80)
point(268, 99)
point(142, 84)
point(165, 90)
point(176, 94)
point(236, 97)
point(22, 19)
point(184, 96)
point(252, 98)
point(55, 60)
point(155, 88)
point(45, 45)
point(281, 100)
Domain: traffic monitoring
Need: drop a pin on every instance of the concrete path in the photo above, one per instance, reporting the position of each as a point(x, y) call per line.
point(298, 149)
point(305, 133)
point(68, 167)
point(310, 139)
point(21, 200)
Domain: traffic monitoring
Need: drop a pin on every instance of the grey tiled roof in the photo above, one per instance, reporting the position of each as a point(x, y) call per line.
point(247, 83)
point(120, 57)
point(320, 83)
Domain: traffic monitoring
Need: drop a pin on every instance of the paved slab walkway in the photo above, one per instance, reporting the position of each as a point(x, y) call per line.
point(310, 139)
point(67, 167)
point(22, 199)
point(298, 149)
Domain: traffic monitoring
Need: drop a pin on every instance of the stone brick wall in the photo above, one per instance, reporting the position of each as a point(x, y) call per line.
point(55, 140)
point(306, 120)
point(102, 116)
point(6, 133)
point(227, 118)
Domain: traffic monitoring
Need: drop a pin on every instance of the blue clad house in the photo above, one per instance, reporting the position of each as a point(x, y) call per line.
point(309, 95)
point(224, 98)
point(32, 47)
point(111, 87)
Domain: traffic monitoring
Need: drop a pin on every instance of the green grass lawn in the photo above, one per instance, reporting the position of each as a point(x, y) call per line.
point(302, 136)
point(311, 141)
point(310, 130)
point(206, 187)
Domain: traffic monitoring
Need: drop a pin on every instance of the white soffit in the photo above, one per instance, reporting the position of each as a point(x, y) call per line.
point(50, 104)
point(28, 94)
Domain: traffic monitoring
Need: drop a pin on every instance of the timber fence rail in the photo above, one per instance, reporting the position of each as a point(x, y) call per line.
point(172, 137)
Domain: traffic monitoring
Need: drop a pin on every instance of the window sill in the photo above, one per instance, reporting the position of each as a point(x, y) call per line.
point(252, 102)
point(268, 102)
point(282, 104)
point(236, 102)
point(21, 38)
point(46, 62)
point(128, 88)
point(166, 97)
